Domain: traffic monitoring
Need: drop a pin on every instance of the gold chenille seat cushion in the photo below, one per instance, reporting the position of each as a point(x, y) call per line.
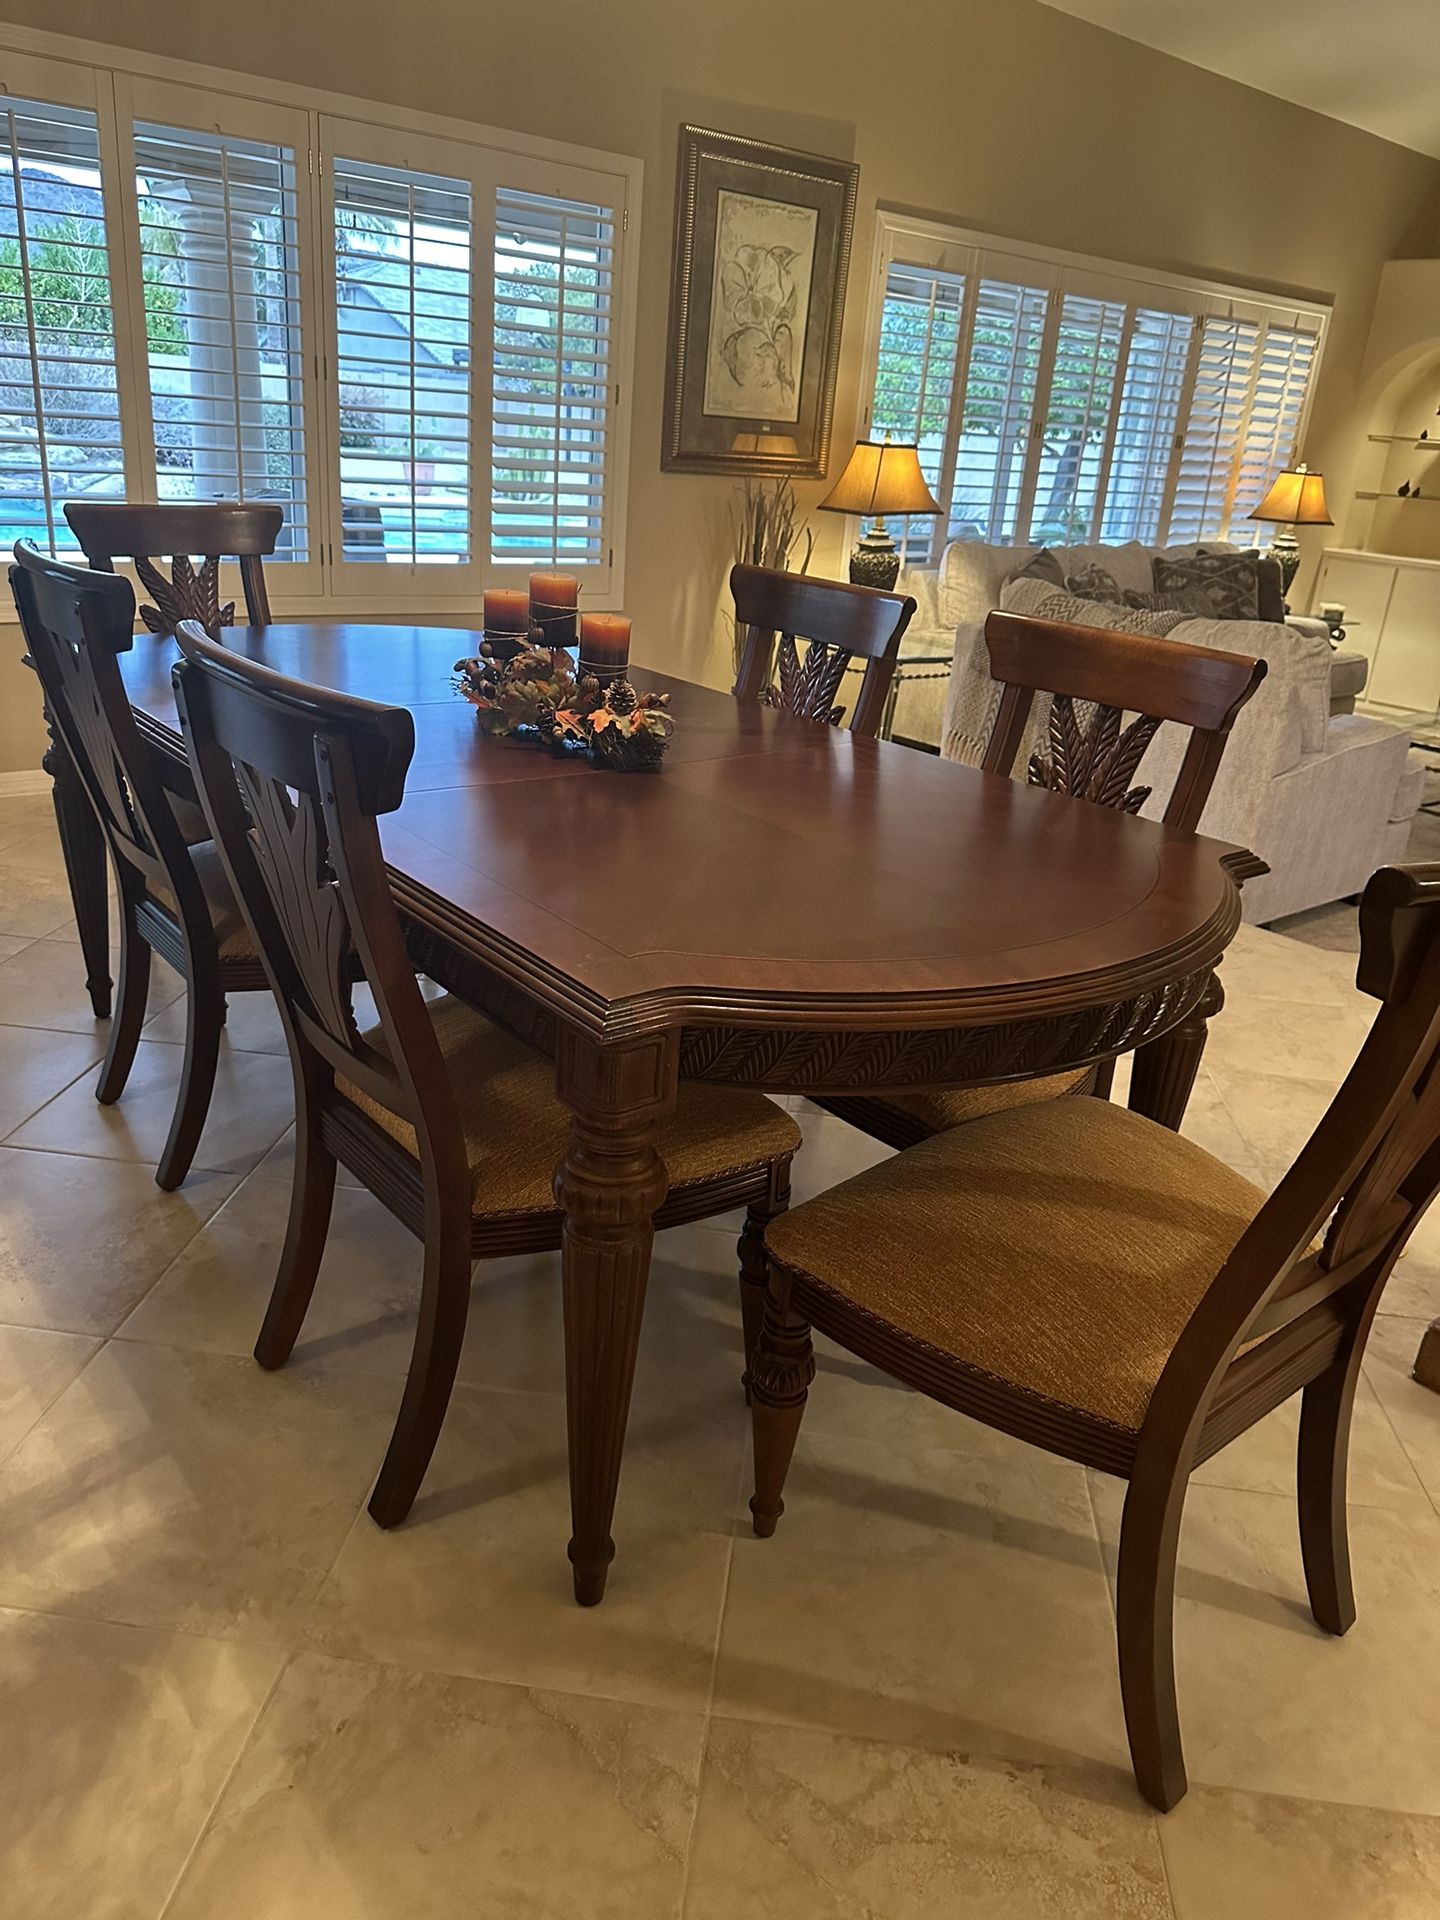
point(232, 936)
point(1059, 1247)
point(945, 1107)
point(516, 1127)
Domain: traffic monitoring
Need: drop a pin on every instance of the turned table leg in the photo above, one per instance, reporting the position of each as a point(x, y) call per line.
point(1427, 1360)
point(83, 846)
point(609, 1185)
point(1163, 1072)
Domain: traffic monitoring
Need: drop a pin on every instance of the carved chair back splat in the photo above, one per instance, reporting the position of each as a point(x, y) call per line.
point(76, 625)
point(175, 532)
point(1155, 679)
point(841, 623)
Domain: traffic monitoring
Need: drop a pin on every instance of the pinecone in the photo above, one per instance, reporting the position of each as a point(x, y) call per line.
point(622, 697)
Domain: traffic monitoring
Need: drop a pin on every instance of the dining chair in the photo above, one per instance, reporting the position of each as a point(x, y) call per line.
point(453, 1123)
point(839, 624)
point(174, 531)
point(1095, 759)
point(173, 898)
point(1090, 1282)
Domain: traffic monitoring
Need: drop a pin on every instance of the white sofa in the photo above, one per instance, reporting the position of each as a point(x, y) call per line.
point(1322, 794)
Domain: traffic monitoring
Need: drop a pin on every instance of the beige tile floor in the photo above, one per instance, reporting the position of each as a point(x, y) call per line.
point(226, 1694)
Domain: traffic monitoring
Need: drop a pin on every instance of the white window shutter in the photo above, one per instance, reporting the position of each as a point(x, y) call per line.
point(402, 248)
point(1213, 429)
point(1076, 434)
point(1147, 419)
point(920, 322)
point(997, 410)
point(552, 430)
point(60, 433)
point(1272, 427)
point(220, 265)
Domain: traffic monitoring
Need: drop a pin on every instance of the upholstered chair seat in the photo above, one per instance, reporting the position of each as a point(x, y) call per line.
point(932, 1110)
point(516, 1128)
point(232, 936)
point(1061, 1249)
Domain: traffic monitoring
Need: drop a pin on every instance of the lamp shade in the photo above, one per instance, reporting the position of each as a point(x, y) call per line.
point(1296, 499)
point(774, 446)
point(879, 478)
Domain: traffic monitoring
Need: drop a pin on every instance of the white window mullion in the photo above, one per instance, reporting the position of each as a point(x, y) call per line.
point(1039, 408)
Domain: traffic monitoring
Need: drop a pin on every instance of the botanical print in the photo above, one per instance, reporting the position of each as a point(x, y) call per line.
point(759, 304)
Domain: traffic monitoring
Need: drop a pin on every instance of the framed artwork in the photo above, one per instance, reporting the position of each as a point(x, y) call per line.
point(762, 250)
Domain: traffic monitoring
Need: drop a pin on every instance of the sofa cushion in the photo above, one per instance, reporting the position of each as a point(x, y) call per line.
point(1195, 604)
point(1230, 582)
point(1348, 674)
point(1410, 787)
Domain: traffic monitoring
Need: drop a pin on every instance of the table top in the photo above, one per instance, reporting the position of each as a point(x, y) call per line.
point(775, 870)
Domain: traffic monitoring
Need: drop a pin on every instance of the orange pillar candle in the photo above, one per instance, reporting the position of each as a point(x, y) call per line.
point(604, 644)
point(507, 610)
point(554, 598)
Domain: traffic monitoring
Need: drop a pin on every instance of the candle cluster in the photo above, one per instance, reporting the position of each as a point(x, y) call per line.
point(548, 616)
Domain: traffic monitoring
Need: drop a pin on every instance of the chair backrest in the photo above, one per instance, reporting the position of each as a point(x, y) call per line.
point(1155, 679)
point(841, 623)
point(1366, 1176)
point(76, 624)
point(293, 779)
point(226, 528)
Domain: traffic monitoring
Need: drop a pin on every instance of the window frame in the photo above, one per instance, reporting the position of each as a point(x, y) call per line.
point(107, 80)
point(932, 246)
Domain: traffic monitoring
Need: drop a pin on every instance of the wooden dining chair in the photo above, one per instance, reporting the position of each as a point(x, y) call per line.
point(1092, 1283)
point(1096, 760)
point(450, 1121)
point(174, 899)
point(173, 532)
point(838, 623)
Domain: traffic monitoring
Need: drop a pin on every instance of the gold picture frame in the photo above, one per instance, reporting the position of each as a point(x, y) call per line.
point(762, 255)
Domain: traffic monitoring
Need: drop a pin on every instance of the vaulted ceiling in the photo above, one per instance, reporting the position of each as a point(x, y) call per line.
point(1373, 63)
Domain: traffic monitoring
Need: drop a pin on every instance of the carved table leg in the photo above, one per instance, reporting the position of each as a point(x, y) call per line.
point(609, 1185)
point(1164, 1071)
point(1427, 1360)
point(83, 846)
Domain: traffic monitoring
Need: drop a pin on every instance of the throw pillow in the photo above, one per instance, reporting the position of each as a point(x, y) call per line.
point(1094, 583)
point(1042, 566)
point(1188, 603)
point(1230, 582)
point(1272, 588)
point(1039, 601)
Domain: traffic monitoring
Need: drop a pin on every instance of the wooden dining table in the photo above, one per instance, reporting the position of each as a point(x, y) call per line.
point(784, 906)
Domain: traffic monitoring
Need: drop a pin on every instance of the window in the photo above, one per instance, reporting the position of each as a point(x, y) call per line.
point(60, 435)
point(409, 335)
point(1060, 401)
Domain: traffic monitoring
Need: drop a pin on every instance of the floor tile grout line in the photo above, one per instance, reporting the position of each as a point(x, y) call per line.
point(230, 1774)
point(51, 1098)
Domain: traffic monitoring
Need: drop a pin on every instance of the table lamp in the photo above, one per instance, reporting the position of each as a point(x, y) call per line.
point(880, 477)
point(1296, 499)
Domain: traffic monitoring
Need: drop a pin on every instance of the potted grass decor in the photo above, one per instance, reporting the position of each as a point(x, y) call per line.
point(768, 532)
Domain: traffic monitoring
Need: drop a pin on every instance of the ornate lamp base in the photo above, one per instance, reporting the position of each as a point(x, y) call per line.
point(875, 560)
point(1286, 549)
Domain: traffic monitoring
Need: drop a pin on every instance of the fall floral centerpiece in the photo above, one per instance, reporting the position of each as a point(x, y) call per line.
point(537, 698)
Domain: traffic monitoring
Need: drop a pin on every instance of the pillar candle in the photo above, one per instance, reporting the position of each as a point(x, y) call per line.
point(604, 644)
point(507, 610)
point(553, 601)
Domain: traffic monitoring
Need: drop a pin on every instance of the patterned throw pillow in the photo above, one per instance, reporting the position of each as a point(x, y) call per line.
point(1229, 582)
point(1038, 601)
point(1042, 566)
point(1095, 583)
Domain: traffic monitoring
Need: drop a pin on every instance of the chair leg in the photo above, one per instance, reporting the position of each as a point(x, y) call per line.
point(129, 1015)
point(311, 1198)
point(783, 1367)
point(1321, 1459)
point(755, 1262)
point(197, 1078)
point(1145, 1615)
point(444, 1303)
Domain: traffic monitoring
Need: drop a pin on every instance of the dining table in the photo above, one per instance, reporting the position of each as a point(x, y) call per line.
point(784, 906)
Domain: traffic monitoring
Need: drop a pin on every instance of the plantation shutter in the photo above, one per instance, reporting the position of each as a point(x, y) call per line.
point(1213, 429)
point(997, 410)
point(920, 321)
point(403, 240)
point(1283, 365)
point(552, 431)
point(1075, 435)
point(1145, 426)
point(220, 268)
point(60, 431)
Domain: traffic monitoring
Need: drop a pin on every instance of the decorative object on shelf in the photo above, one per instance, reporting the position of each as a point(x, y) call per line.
point(554, 609)
point(762, 251)
point(767, 530)
point(604, 645)
point(881, 477)
point(507, 620)
point(537, 698)
point(1296, 499)
point(1403, 490)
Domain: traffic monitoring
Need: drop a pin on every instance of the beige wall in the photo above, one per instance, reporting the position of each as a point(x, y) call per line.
point(1007, 117)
